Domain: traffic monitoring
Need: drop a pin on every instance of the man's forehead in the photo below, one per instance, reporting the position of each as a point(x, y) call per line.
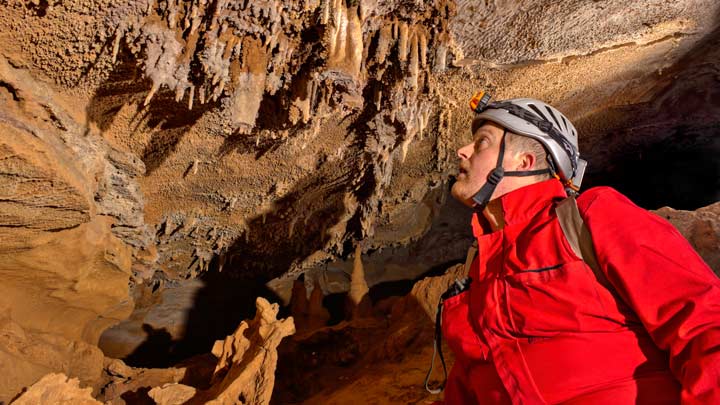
point(484, 126)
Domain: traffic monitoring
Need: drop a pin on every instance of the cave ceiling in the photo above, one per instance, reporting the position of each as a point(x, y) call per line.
point(266, 137)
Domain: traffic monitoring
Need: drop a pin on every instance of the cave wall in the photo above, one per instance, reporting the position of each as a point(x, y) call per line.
point(288, 130)
point(144, 143)
point(71, 226)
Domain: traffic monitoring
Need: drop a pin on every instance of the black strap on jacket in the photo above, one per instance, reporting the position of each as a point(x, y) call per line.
point(457, 287)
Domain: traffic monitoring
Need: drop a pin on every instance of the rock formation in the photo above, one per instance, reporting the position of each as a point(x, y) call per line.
point(177, 156)
point(57, 389)
point(358, 300)
point(245, 372)
point(242, 369)
point(64, 189)
point(701, 228)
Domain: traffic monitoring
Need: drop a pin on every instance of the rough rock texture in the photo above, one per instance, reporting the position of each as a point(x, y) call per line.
point(383, 359)
point(57, 389)
point(70, 224)
point(180, 155)
point(245, 372)
point(274, 129)
point(242, 369)
point(127, 385)
point(28, 355)
point(701, 228)
point(171, 394)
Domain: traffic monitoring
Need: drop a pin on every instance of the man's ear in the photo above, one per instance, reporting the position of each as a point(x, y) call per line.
point(525, 161)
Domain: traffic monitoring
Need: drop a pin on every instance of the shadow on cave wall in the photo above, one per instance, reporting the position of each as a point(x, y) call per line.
point(228, 295)
point(665, 152)
point(167, 120)
point(219, 307)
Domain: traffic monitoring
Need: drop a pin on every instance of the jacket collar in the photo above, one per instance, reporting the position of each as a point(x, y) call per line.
point(520, 205)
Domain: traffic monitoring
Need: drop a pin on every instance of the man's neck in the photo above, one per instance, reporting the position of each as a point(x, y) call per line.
point(493, 212)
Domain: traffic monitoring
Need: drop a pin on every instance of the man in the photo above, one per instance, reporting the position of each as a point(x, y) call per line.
point(534, 323)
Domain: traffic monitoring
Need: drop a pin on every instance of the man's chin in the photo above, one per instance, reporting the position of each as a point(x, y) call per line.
point(459, 195)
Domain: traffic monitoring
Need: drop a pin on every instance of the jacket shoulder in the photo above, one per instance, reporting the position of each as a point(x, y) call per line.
point(603, 196)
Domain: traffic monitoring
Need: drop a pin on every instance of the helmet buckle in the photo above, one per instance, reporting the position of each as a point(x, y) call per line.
point(496, 175)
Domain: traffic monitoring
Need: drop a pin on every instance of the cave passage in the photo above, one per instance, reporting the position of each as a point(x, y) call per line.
point(682, 171)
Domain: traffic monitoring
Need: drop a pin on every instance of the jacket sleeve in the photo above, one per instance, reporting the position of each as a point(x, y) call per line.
point(659, 275)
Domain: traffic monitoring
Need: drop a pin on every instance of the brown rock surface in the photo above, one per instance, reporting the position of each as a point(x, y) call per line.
point(245, 372)
point(701, 228)
point(65, 249)
point(57, 389)
point(182, 154)
point(171, 394)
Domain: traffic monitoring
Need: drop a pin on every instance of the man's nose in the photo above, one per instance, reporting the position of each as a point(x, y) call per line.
point(465, 151)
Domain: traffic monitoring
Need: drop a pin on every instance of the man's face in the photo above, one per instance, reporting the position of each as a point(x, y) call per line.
point(477, 159)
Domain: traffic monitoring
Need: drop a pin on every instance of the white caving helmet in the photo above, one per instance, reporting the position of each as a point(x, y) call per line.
point(537, 120)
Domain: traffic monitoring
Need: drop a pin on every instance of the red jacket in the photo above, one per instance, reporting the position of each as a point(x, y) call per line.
point(536, 326)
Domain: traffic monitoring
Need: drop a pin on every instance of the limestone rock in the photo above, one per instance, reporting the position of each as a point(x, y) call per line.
point(57, 389)
point(308, 314)
point(29, 355)
point(172, 394)
point(128, 385)
point(145, 141)
point(701, 228)
point(71, 218)
point(245, 372)
point(359, 304)
point(318, 315)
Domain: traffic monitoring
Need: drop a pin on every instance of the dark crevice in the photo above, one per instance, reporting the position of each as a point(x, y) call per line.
point(10, 89)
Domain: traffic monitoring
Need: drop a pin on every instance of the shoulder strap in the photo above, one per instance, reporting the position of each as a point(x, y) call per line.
point(579, 238)
point(471, 253)
point(437, 343)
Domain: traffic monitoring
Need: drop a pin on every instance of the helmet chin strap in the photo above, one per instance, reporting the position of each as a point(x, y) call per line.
point(482, 197)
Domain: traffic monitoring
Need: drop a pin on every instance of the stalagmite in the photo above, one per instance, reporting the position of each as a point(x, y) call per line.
point(359, 300)
point(318, 315)
point(298, 299)
point(247, 359)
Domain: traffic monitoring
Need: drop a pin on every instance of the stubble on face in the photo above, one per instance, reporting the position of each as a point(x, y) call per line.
point(477, 159)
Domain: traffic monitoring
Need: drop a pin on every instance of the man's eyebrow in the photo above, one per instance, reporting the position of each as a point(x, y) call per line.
point(481, 132)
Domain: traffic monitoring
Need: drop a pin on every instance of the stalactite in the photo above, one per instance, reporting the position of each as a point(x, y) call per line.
point(423, 49)
point(403, 42)
point(383, 43)
point(414, 63)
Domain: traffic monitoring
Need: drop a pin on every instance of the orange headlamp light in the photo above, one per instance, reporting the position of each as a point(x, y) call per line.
point(479, 101)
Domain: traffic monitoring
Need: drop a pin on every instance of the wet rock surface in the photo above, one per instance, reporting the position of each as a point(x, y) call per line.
point(164, 163)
